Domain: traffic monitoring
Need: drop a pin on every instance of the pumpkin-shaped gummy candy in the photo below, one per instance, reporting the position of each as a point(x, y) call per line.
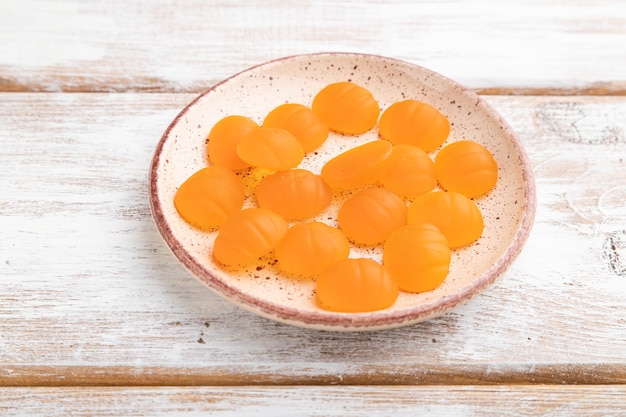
point(210, 196)
point(270, 148)
point(248, 235)
point(224, 138)
point(415, 123)
point(346, 107)
point(356, 285)
point(411, 172)
point(418, 257)
point(369, 216)
point(466, 167)
point(359, 166)
point(456, 216)
point(300, 121)
point(294, 194)
point(310, 248)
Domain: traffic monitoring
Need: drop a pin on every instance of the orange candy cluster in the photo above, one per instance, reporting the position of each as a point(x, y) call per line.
point(393, 197)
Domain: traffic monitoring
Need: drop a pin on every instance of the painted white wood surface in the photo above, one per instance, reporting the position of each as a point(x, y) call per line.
point(96, 316)
point(167, 45)
point(91, 293)
point(399, 401)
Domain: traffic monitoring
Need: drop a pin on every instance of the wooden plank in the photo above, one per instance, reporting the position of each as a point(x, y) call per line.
point(172, 46)
point(501, 401)
point(91, 294)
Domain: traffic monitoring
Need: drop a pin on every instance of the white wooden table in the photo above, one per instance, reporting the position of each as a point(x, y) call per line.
point(97, 317)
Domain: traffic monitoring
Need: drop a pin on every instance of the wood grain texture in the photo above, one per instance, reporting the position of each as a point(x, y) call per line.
point(469, 401)
point(97, 317)
point(91, 295)
point(168, 46)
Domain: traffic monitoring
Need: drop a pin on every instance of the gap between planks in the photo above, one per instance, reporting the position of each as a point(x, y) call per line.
point(596, 89)
point(549, 374)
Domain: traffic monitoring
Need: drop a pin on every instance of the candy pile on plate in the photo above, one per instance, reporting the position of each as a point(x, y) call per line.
point(417, 208)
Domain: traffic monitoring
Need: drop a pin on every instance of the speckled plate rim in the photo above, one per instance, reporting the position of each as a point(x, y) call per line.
point(348, 321)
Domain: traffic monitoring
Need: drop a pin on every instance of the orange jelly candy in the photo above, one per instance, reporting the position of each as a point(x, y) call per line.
point(224, 138)
point(456, 216)
point(356, 285)
point(300, 121)
point(466, 167)
point(415, 123)
point(359, 166)
point(418, 257)
point(346, 107)
point(270, 148)
point(209, 197)
point(370, 215)
point(248, 235)
point(294, 194)
point(411, 172)
point(310, 248)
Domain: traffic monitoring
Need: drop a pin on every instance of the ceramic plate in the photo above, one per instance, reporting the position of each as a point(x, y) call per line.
point(508, 209)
